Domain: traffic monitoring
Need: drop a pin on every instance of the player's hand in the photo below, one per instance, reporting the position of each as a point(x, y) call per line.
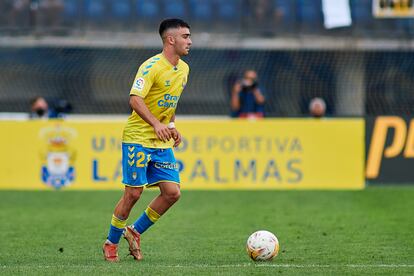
point(162, 131)
point(176, 135)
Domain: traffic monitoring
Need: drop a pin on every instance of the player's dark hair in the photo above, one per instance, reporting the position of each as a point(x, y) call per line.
point(172, 23)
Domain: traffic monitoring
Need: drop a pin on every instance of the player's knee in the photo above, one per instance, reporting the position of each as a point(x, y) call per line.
point(173, 196)
point(132, 195)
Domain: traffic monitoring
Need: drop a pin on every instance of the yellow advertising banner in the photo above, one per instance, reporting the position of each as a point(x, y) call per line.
point(214, 154)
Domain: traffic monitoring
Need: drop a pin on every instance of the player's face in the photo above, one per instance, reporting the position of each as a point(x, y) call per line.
point(183, 41)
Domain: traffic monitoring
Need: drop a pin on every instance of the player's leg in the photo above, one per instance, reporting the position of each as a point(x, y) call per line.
point(118, 222)
point(121, 213)
point(163, 172)
point(134, 177)
point(170, 194)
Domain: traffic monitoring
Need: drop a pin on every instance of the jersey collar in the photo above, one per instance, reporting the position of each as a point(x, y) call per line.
point(166, 61)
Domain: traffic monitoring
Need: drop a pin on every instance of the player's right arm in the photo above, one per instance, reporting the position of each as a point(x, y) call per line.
point(138, 105)
point(143, 82)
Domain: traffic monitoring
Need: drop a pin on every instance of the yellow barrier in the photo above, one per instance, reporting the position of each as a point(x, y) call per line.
point(267, 154)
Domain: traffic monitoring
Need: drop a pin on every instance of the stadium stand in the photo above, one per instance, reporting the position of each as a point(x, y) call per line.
point(310, 16)
point(362, 16)
point(252, 17)
point(71, 12)
point(95, 12)
point(228, 10)
point(285, 15)
point(174, 8)
point(201, 10)
point(121, 14)
point(147, 8)
point(121, 9)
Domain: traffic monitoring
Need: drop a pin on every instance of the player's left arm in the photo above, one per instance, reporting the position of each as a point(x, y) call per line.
point(176, 135)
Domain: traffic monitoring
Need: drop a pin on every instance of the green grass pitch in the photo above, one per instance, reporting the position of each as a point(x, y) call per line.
point(320, 232)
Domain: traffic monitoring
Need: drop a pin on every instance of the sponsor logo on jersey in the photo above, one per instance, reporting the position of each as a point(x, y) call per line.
point(168, 101)
point(166, 165)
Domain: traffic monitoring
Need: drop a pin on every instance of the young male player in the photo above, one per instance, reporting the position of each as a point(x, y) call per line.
point(148, 138)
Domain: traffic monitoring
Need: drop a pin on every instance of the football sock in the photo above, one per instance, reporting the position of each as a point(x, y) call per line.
point(148, 218)
point(116, 229)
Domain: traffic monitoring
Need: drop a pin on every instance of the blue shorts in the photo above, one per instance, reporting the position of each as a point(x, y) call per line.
point(148, 166)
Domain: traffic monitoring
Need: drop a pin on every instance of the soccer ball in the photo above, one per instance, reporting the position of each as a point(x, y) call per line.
point(262, 246)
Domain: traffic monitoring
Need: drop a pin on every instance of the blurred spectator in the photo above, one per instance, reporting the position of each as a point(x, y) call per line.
point(247, 99)
point(39, 108)
point(317, 108)
point(50, 13)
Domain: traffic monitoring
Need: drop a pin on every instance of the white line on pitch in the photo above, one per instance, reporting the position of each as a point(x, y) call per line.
point(229, 266)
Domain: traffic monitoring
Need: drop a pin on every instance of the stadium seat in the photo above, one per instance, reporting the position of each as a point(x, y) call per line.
point(361, 13)
point(201, 10)
point(286, 11)
point(310, 15)
point(95, 10)
point(174, 8)
point(228, 10)
point(148, 9)
point(121, 9)
point(70, 9)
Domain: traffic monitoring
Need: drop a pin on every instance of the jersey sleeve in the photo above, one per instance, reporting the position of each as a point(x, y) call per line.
point(143, 81)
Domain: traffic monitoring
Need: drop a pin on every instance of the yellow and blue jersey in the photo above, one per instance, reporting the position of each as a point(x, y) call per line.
point(160, 84)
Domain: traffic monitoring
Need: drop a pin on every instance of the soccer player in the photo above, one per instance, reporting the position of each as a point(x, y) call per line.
point(148, 138)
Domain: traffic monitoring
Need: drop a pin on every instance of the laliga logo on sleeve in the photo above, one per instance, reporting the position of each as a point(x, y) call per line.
point(139, 84)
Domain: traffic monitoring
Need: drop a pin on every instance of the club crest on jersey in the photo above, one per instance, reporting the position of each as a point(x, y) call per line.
point(139, 84)
point(167, 83)
point(57, 156)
